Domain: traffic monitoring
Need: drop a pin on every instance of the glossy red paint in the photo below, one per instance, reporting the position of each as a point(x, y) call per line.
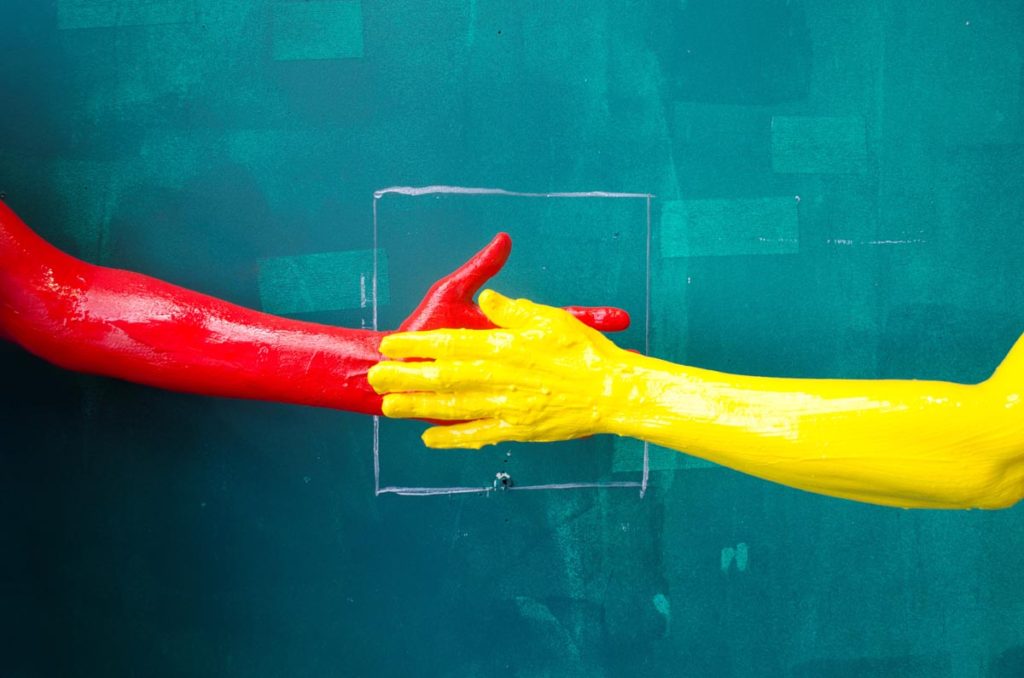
point(122, 324)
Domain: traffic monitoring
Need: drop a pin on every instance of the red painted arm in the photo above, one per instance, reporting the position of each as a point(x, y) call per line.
point(121, 324)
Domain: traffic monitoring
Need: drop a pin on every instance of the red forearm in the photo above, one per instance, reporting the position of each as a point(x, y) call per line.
point(123, 324)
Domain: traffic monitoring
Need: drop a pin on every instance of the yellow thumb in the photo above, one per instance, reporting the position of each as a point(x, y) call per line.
point(502, 311)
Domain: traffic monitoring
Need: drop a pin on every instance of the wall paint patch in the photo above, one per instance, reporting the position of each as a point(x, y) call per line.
point(74, 14)
point(326, 281)
point(738, 556)
point(664, 608)
point(807, 145)
point(703, 228)
point(326, 29)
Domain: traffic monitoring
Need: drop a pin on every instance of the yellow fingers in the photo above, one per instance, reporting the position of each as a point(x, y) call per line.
point(459, 344)
point(444, 406)
point(390, 377)
point(451, 375)
point(473, 435)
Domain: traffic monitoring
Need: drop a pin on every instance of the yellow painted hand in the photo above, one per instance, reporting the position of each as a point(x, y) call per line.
point(544, 376)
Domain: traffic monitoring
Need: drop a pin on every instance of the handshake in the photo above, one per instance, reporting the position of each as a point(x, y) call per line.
point(514, 370)
point(539, 375)
point(518, 371)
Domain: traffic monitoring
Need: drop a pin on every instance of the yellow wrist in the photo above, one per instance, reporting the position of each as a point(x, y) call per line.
point(643, 395)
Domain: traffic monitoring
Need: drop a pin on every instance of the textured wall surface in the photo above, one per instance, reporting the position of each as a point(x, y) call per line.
point(839, 193)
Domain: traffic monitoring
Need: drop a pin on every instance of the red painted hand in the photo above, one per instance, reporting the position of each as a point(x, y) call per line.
point(449, 303)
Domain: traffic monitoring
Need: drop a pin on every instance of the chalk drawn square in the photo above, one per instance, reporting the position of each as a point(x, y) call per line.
point(586, 248)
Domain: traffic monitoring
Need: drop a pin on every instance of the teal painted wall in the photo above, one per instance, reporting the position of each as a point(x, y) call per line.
point(838, 193)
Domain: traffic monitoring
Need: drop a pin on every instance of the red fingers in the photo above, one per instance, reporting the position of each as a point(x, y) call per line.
point(603, 318)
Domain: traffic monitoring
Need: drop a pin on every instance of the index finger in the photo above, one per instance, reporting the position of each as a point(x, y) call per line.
point(461, 344)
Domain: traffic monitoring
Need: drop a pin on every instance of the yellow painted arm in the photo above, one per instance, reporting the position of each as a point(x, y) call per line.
point(544, 376)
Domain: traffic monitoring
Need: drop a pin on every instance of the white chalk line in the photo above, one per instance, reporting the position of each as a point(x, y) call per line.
point(465, 190)
point(376, 419)
point(647, 340)
point(430, 491)
point(376, 454)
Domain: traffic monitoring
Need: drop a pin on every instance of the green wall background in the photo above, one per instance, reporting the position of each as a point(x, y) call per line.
point(838, 193)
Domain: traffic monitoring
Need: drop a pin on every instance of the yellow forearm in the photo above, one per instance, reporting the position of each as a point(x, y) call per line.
point(901, 443)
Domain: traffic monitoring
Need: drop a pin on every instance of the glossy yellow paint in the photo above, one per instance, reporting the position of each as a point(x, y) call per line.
point(544, 376)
